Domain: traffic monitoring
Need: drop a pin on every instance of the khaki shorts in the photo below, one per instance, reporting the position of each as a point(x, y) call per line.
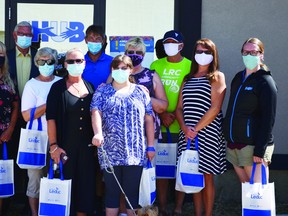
point(244, 156)
point(33, 186)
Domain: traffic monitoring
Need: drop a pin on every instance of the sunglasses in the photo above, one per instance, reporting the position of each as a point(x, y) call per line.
point(72, 61)
point(207, 52)
point(131, 52)
point(48, 62)
point(252, 53)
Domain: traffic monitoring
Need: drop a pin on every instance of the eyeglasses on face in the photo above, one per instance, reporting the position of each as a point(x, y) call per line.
point(207, 52)
point(131, 52)
point(48, 62)
point(24, 34)
point(72, 61)
point(252, 52)
point(122, 68)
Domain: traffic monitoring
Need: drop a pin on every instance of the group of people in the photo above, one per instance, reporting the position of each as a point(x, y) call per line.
point(123, 109)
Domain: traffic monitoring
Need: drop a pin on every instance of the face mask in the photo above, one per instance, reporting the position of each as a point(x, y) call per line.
point(171, 49)
point(136, 59)
point(2, 60)
point(120, 76)
point(94, 48)
point(24, 42)
point(250, 61)
point(75, 70)
point(203, 59)
point(46, 70)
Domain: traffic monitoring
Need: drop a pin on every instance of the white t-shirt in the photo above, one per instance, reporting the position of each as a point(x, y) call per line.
point(35, 94)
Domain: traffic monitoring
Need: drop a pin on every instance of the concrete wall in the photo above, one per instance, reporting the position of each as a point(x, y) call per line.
point(229, 23)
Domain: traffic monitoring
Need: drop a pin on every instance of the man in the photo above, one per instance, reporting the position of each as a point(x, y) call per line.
point(172, 70)
point(97, 67)
point(21, 68)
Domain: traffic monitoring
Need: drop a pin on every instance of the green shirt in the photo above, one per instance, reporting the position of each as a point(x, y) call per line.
point(172, 75)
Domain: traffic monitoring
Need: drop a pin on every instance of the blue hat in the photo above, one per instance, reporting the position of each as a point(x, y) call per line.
point(174, 35)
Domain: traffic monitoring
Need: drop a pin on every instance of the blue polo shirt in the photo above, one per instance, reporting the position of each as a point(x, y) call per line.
point(97, 72)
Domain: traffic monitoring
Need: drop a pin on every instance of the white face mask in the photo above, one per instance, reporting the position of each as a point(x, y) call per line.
point(75, 70)
point(46, 70)
point(203, 59)
point(171, 49)
point(121, 76)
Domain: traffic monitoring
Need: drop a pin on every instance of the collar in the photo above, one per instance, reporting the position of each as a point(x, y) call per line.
point(18, 53)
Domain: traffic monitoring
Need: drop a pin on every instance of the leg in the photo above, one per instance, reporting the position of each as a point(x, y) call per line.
point(162, 187)
point(242, 174)
point(122, 208)
point(208, 194)
point(198, 201)
point(1, 202)
point(179, 202)
point(112, 211)
point(34, 203)
point(81, 214)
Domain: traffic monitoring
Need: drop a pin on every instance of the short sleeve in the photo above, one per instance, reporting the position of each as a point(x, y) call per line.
point(147, 100)
point(28, 99)
point(97, 100)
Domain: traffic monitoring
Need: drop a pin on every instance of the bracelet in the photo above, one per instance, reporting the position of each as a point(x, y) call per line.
point(150, 149)
point(54, 143)
point(51, 152)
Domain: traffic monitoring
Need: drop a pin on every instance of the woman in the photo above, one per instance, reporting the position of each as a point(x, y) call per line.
point(9, 103)
point(119, 111)
point(34, 96)
point(250, 114)
point(70, 132)
point(199, 114)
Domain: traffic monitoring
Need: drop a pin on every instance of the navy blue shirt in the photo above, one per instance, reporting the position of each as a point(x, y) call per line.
point(97, 72)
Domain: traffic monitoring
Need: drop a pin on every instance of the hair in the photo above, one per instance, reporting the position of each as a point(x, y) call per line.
point(159, 48)
point(148, 211)
point(136, 42)
point(126, 60)
point(4, 70)
point(23, 24)
point(73, 50)
point(260, 45)
point(46, 52)
point(214, 65)
point(96, 29)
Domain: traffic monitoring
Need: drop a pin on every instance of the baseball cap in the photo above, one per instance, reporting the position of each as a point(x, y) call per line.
point(174, 35)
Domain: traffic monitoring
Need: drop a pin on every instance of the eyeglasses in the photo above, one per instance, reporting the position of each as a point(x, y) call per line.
point(48, 62)
point(72, 61)
point(207, 52)
point(252, 52)
point(122, 68)
point(24, 34)
point(131, 52)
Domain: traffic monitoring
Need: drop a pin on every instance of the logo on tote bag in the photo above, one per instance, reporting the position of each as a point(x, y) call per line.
point(54, 190)
point(193, 160)
point(163, 153)
point(256, 196)
point(2, 170)
point(34, 140)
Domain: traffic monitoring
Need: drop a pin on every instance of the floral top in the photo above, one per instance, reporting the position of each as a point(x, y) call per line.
point(145, 77)
point(123, 128)
point(7, 97)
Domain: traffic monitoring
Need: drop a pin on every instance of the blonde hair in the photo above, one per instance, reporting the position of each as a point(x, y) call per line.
point(136, 42)
point(148, 211)
point(4, 71)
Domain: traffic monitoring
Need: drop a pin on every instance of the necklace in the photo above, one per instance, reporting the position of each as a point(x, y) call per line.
point(76, 89)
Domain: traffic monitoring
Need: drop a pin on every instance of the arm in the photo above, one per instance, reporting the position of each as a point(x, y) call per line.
point(40, 110)
point(218, 89)
point(6, 135)
point(187, 130)
point(160, 102)
point(149, 128)
point(97, 139)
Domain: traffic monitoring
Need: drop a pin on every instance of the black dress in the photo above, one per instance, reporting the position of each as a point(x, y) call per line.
point(74, 133)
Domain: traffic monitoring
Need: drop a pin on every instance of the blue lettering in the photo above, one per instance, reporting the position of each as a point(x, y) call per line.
point(256, 196)
point(163, 153)
point(192, 160)
point(34, 140)
point(54, 190)
point(2, 170)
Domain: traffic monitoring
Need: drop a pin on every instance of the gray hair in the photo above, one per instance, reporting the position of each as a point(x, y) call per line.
point(23, 24)
point(73, 50)
point(46, 52)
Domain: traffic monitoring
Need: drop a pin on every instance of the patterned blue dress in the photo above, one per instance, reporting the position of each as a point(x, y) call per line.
point(123, 128)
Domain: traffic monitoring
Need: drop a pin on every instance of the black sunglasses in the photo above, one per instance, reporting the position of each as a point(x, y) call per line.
point(48, 62)
point(202, 51)
point(131, 52)
point(72, 61)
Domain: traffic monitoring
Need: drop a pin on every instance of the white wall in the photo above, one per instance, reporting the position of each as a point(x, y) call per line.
point(2, 20)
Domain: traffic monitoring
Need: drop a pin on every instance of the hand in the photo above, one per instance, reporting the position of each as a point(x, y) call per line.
point(257, 159)
point(6, 135)
point(189, 132)
point(97, 140)
point(167, 118)
point(56, 154)
point(150, 155)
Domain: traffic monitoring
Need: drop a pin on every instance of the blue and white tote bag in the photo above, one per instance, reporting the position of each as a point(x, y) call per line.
point(32, 149)
point(6, 175)
point(55, 194)
point(258, 198)
point(188, 178)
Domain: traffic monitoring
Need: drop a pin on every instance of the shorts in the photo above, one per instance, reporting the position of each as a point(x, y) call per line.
point(33, 186)
point(244, 157)
point(129, 178)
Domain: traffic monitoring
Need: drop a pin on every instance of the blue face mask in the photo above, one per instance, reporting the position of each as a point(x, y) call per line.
point(120, 76)
point(94, 48)
point(24, 42)
point(46, 70)
point(75, 70)
point(136, 59)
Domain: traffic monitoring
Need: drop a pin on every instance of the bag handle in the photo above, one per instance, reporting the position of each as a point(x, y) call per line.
point(32, 113)
point(149, 164)
point(263, 174)
point(169, 137)
point(51, 171)
point(5, 154)
point(189, 143)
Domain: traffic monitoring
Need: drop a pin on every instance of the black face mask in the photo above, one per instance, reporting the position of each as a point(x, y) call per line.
point(2, 60)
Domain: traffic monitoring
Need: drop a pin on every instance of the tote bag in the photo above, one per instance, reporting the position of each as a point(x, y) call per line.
point(147, 189)
point(55, 194)
point(258, 198)
point(6, 175)
point(188, 178)
point(32, 146)
point(165, 158)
